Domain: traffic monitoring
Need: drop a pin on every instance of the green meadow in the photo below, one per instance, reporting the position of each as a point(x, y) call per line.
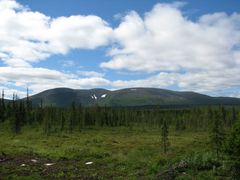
point(114, 152)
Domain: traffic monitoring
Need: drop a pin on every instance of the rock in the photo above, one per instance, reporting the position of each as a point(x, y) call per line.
point(88, 163)
point(34, 160)
point(49, 164)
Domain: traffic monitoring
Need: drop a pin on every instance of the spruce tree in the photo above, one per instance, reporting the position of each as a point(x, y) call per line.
point(29, 109)
point(165, 141)
point(224, 114)
point(18, 116)
point(73, 117)
point(47, 119)
point(3, 100)
point(233, 118)
point(217, 133)
point(62, 122)
point(1, 111)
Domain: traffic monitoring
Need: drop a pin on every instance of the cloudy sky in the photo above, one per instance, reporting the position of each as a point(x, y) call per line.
point(178, 45)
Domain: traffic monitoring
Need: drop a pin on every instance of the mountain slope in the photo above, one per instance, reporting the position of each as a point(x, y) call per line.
point(63, 97)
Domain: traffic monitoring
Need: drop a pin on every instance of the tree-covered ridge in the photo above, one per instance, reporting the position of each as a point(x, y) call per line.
point(63, 97)
point(22, 112)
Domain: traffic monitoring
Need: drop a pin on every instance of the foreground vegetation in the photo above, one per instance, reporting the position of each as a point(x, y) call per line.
point(108, 143)
point(115, 152)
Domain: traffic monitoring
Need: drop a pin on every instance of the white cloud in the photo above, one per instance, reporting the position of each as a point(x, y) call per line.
point(28, 36)
point(235, 94)
point(164, 40)
point(8, 4)
point(85, 32)
point(90, 74)
point(161, 80)
point(9, 92)
point(210, 82)
point(39, 79)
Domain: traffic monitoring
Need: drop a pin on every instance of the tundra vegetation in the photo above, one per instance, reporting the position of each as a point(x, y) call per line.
point(106, 143)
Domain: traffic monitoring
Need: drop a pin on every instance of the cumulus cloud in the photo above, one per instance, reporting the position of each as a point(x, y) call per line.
point(201, 55)
point(39, 79)
point(28, 36)
point(166, 40)
point(85, 32)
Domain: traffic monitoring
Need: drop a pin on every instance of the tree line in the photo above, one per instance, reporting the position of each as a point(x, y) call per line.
point(20, 112)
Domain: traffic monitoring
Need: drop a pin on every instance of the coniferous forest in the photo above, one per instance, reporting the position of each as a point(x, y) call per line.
point(201, 141)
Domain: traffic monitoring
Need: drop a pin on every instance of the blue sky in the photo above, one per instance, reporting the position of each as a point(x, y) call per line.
point(178, 45)
point(107, 9)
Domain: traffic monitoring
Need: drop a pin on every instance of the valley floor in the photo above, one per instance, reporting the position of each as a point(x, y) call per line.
point(115, 153)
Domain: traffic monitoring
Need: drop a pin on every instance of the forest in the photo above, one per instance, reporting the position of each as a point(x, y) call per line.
point(170, 143)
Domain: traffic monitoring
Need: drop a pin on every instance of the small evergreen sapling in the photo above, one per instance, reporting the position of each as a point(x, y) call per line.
point(165, 140)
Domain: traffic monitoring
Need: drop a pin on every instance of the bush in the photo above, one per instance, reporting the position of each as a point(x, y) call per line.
point(202, 161)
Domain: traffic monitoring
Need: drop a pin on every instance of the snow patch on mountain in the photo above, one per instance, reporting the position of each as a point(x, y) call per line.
point(103, 96)
point(94, 97)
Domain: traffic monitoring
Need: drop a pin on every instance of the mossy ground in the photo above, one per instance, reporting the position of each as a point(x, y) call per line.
point(116, 153)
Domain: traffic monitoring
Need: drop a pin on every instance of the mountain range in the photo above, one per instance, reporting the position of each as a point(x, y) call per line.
point(63, 97)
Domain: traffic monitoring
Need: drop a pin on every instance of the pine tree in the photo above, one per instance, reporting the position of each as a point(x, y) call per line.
point(217, 134)
point(62, 122)
point(233, 118)
point(165, 141)
point(3, 100)
point(73, 117)
point(1, 110)
point(29, 109)
point(18, 116)
point(224, 114)
point(47, 119)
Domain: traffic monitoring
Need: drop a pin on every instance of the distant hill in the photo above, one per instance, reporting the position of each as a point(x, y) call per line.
point(63, 97)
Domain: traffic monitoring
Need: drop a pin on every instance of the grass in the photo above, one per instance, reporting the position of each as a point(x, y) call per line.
point(117, 153)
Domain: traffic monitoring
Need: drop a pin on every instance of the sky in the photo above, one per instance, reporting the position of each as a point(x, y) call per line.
point(178, 45)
